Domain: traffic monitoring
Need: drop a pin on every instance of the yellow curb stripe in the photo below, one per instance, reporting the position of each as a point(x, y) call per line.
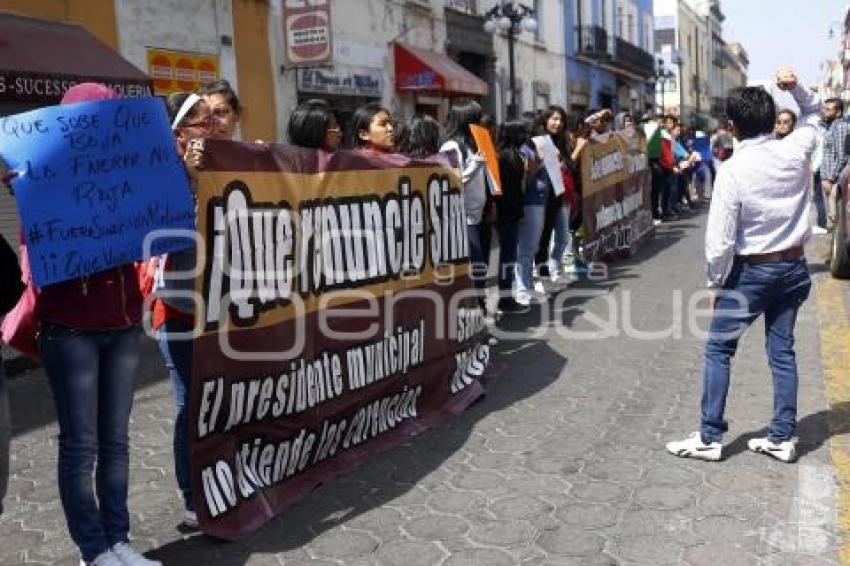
point(835, 358)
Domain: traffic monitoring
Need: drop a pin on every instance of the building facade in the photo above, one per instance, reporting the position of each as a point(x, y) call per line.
point(609, 46)
point(737, 62)
point(684, 43)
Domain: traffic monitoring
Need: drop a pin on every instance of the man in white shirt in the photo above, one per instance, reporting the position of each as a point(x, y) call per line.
point(757, 225)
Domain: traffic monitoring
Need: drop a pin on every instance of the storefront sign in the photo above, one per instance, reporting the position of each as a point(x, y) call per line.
point(346, 81)
point(175, 71)
point(307, 32)
point(18, 86)
point(338, 318)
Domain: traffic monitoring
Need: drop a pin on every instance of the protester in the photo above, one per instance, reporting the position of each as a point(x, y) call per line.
point(11, 288)
point(224, 107)
point(419, 137)
point(314, 125)
point(598, 122)
point(372, 129)
point(549, 256)
point(89, 342)
point(785, 123)
point(513, 169)
point(834, 159)
point(722, 143)
point(459, 141)
point(757, 225)
point(174, 308)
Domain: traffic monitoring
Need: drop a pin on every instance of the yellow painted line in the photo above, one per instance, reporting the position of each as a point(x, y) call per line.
point(835, 357)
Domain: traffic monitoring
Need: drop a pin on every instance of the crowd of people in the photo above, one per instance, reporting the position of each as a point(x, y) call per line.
point(89, 328)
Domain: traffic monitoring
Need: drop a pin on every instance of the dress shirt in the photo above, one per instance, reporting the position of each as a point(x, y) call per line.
point(760, 201)
point(834, 150)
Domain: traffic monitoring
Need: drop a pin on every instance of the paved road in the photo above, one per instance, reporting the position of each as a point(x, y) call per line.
point(562, 463)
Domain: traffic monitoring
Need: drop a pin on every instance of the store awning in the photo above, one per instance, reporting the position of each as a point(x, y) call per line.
point(40, 60)
point(422, 70)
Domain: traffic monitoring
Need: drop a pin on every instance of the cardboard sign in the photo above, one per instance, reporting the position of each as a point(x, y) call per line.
point(485, 145)
point(94, 179)
point(551, 160)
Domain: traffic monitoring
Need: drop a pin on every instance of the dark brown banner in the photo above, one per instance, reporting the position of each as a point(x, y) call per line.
point(616, 197)
point(338, 319)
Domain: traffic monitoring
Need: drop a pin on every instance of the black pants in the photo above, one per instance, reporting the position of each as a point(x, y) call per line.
point(541, 259)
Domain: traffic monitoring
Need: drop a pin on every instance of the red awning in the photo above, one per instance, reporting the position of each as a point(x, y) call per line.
point(421, 70)
point(40, 60)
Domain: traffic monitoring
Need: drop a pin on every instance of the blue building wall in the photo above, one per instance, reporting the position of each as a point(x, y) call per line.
point(601, 81)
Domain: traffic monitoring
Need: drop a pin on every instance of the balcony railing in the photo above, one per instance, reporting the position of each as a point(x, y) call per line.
point(592, 41)
point(633, 58)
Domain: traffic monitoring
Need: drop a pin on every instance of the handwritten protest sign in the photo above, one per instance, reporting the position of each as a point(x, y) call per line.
point(551, 160)
point(93, 180)
point(485, 145)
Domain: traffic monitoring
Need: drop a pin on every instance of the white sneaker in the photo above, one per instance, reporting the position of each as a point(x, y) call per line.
point(190, 519)
point(129, 556)
point(817, 230)
point(694, 447)
point(523, 298)
point(107, 558)
point(538, 287)
point(783, 450)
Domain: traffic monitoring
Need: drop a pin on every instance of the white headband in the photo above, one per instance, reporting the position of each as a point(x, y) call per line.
point(187, 105)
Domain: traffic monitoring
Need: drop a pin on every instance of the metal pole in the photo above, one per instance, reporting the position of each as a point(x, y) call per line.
point(511, 74)
point(661, 79)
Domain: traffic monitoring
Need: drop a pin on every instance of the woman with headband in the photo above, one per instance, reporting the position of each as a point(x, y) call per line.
point(174, 307)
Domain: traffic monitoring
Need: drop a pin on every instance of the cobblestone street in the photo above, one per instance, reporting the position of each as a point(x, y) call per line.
point(562, 463)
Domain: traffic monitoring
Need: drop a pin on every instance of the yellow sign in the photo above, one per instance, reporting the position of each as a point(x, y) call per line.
point(175, 71)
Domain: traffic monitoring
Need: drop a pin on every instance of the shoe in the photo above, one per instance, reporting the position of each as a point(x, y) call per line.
point(523, 298)
point(508, 306)
point(783, 450)
point(694, 447)
point(190, 519)
point(656, 221)
point(107, 558)
point(538, 287)
point(817, 230)
point(129, 556)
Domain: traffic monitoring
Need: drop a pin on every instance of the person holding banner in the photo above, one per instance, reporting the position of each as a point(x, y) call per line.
point(174, 307)
point(224, 107)
point(89, 341)
point(472, 164)
point(314, 125)
point(372, 129)
point(419, 138)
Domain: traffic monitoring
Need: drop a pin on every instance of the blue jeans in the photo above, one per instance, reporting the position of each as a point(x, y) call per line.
point(776, 290)
point(5, 436)
point(561, 240)
point(92, 375)
point(820, 202)
point(508, 230)
point(177, 355)
point(528, 239)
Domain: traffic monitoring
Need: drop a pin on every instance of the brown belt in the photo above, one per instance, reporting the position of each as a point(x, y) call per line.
point(790, 254)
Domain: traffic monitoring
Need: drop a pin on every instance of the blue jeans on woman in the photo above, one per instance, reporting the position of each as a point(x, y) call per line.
point(177, 355)
point(561, 240)
point(530, 228)
point(478, 237)
point(777, 290)
point(92, 376)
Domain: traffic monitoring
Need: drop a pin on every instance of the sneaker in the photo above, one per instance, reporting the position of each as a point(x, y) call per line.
point(129, 556)
point(817, 230)
point(107, 558)
point(694, 447)
point(783, 450)
point(656, 222)
point(523, 298)
point(190, 519)
point(538, 287)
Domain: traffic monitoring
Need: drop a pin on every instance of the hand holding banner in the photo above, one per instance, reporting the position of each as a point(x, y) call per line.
point(486, 147)
point(94, 179)
point(551, 160)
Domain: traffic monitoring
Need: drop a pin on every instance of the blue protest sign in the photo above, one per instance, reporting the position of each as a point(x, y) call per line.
point(93, 180)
